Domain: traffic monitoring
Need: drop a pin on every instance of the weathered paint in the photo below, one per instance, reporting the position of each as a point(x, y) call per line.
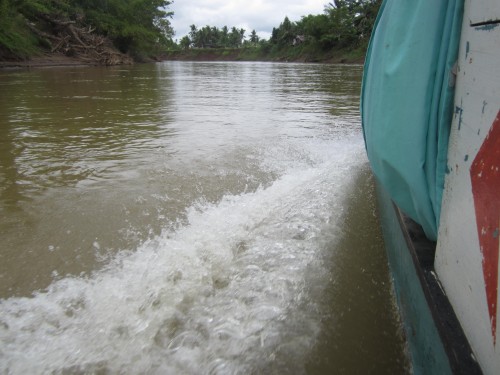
point(482, 11)
point(467, 249)
point(488, 26)
point(459, 111)
point(485, 177)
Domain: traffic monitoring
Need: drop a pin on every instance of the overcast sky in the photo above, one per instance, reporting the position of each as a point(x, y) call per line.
point(261, 15)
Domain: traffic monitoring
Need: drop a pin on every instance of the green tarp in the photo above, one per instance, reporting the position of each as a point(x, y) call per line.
point(407, 99)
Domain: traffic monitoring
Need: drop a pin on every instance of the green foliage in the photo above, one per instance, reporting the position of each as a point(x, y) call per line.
point(135, 26)
point(31, 9)
point(254, 38)
point(142, 28)
point(344, 24)
point(286, 32)
point(213, 37)
point(16, 40)
point(138, 27)
point(185, 42)
point(340, 33)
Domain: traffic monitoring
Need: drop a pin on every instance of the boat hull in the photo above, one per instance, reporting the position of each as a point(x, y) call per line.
point(436, 342)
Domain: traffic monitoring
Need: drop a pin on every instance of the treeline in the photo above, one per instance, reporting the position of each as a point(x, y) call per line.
point(343, 24)
point(213, 37)
point(136, 27)
point(141, 28)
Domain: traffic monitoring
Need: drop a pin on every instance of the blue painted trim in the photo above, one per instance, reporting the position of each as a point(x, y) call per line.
point(436, 340)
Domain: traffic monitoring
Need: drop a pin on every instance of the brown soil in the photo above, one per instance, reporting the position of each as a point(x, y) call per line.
point(45, 60)
point(60, 59)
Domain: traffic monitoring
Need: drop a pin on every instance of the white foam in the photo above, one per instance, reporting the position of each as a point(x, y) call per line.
point(225, 293)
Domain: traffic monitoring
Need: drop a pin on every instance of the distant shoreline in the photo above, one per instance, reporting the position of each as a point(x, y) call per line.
point(330, 57)
point(48, 60)
point(60, 60)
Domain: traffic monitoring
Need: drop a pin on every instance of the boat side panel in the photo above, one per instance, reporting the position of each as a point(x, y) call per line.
point(484, 11)
point(425, 345)
point(466, 264)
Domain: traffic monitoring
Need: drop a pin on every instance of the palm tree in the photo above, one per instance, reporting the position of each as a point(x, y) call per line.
point(254, 38)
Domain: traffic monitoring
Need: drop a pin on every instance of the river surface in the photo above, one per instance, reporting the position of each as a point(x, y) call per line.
point(190, 218)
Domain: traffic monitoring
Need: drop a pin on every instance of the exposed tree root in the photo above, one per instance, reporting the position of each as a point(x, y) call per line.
point(65, 36)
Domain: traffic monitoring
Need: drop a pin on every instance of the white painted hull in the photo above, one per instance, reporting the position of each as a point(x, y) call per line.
point(447, 291)
point(468, 239)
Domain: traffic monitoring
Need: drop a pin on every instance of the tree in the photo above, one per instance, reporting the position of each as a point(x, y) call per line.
point(274, 36)
point(185, 42)
point(234, 38)
point(316, 28)
point(138, 27)
point(368, 15)
point(135, 26)
point(212, 37)
point(286, 32)
point(224, 37)
point(352, 20)
point(242, 36)
point(193, 32)
point(254, 38)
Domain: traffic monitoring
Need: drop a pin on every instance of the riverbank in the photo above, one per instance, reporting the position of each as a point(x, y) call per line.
point(291, 54)
point(245, 54)
point(58, 59)
point(46, 60)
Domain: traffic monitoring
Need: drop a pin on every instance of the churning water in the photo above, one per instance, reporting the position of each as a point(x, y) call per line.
point(190, 218)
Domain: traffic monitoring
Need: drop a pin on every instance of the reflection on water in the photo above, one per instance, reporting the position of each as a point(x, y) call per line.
point(358, 260)
point(190, 218)
point(71, 139)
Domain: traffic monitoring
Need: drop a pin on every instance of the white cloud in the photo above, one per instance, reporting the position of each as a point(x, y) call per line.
point(260, 15)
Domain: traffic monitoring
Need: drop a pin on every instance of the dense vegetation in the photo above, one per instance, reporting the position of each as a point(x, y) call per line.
point(141, 28)
point(345, 27)
point(213, 37)
point(137, 27)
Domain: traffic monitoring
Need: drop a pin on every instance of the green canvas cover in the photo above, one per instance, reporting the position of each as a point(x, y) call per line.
point(407, 99)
